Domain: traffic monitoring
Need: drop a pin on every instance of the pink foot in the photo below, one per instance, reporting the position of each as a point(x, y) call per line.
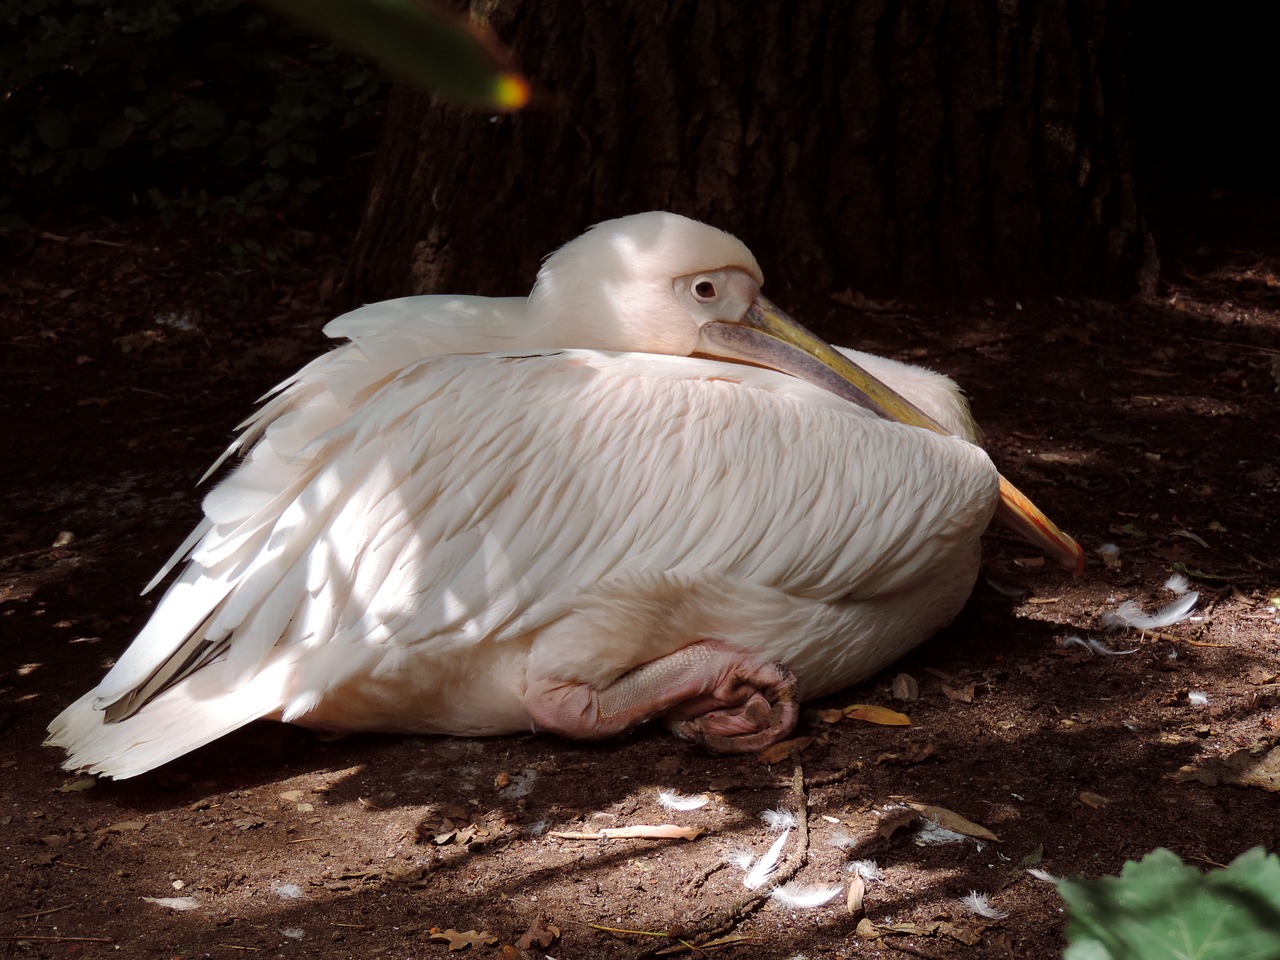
point(739, 728)
point(708, 692)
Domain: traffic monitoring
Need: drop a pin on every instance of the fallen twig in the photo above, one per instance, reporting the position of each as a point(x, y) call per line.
point(634, 933)
point(679, 944)
point(43, 913)
point(908, 949)
point(58, 238)
point(1173, 638)
point(664, 831)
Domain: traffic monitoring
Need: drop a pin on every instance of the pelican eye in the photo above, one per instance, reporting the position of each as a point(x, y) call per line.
point(704, 289)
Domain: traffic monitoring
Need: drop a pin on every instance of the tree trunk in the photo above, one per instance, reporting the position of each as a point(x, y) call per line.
point(895, 147)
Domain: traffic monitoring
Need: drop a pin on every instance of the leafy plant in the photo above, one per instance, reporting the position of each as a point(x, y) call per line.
point(183, 104)
point(422, 43)
point(1162, 909)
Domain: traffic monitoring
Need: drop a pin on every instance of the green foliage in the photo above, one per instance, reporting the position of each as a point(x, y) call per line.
point(186, 104)
point(1162, 909)
point(421, 43)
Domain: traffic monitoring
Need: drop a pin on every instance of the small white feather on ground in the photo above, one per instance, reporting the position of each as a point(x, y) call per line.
point(841, 840)
point(764, 868)
point(1178, 584)
point(804, 896)
point(868, 870)
point(1093, 646)
point(671, 800)
point(934, 835)
point(1110, 555)
point(779, 819)
point(980, 904)
point(1129, 615)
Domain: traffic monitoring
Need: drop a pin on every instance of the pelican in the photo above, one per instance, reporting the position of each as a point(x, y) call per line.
point(641, 492)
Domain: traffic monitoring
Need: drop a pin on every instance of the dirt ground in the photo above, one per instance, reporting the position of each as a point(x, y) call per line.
point(130, 352)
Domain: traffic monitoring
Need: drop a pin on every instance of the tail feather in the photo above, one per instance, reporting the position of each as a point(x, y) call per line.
point(196, 711)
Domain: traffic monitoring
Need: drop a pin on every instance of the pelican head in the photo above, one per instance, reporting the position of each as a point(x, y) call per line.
point(647, 283)
point(662, 283)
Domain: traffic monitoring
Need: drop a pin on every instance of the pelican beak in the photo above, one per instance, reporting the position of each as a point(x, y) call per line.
point(767, 337)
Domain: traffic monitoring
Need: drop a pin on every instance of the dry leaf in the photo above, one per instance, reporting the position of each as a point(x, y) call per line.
point(905, 687)
point(950, 820)
point(962, 692)
point(124, 826)
point(857, 892)
point(83, 783)
point(911, 929)
point(1092, 800)
point(1249, 770)
point(539, 934)
point(460, 941)
point(831, 716)
point(781, 750)
point(918, 754)
point(1255, 766)
point(458, 826)
point(873, 714)
point(966, 935)
point(409, 873)
point(895, 819)
point(922, 752)
point(866, 930)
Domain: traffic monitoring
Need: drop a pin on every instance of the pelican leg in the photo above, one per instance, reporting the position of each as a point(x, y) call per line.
point(709, 692)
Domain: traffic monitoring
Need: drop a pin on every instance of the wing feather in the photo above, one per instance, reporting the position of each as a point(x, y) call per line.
point(475, 498)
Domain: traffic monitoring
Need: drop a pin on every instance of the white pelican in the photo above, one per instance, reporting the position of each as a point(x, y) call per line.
point(573, 512)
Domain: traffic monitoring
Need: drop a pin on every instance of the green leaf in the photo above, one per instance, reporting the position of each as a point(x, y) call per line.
point(116, 133)
point(278, 155)
point(53, 128)
point(1162, 909)
point(421, 43)
point(235, 150)
point(93, 158)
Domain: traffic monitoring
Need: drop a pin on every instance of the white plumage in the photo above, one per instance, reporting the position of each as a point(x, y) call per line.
point(481, 516)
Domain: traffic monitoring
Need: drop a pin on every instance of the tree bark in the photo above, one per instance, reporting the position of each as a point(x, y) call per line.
point(895, 147)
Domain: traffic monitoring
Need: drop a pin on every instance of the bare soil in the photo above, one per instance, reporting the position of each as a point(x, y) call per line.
point(131, 351)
